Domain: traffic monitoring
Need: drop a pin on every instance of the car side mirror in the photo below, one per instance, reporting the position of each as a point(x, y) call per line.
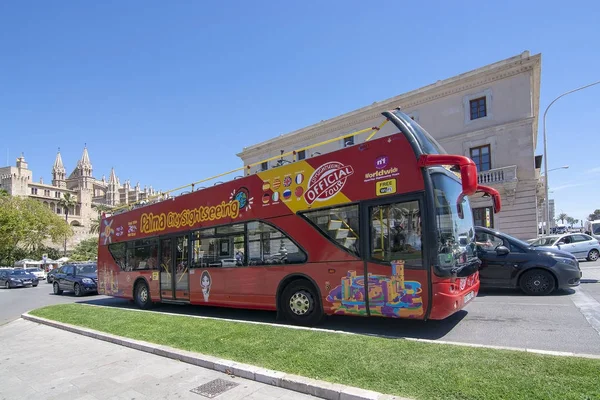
point(502, 250)
point(560, 243)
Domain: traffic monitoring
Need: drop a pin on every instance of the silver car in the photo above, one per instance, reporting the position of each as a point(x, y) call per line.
point(578, 244)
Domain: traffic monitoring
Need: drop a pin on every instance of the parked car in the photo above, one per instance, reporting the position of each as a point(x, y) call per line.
point(17, 278)
point(79, 278)
point(507, 262)
point(50, 276)
point(578, 244)
point(39, 273)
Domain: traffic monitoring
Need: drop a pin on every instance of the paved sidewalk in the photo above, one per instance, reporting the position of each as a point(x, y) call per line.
point(41, 362)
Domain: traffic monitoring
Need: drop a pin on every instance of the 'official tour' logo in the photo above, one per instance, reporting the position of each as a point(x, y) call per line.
point(327, 181)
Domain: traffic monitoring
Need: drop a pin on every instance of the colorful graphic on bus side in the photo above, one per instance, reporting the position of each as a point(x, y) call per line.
point(389, 296)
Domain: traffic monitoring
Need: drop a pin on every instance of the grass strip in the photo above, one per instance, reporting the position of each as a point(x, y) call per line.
point(393, 366)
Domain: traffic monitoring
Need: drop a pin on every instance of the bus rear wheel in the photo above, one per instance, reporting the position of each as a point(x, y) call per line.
point(300, 303)
point(142, 296)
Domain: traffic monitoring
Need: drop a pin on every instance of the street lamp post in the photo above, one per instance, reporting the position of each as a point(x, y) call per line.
point(547, 216)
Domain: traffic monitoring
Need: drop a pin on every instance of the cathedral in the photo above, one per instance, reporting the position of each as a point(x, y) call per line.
point(81, 184)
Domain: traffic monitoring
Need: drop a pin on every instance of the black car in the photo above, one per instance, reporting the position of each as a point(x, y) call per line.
point(79, 278)
point(17, 278)
point(50, 276)
point(507, 262)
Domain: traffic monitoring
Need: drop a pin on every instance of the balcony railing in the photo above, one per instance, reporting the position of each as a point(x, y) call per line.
point(498, 175)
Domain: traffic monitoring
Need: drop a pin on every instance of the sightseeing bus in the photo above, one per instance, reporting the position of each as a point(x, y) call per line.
point(381, 228)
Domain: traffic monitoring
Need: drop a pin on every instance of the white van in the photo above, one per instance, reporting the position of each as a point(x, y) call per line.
point(593, 228)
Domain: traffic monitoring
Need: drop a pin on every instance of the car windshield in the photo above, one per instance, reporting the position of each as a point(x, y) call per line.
point(32, 270)
point(86, 269)
point(596, 229)
point(19, 272)
point(457, 235)
point(545, 241)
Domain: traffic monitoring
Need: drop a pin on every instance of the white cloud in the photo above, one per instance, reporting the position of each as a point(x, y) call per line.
point(570, 185)
point(593, 170)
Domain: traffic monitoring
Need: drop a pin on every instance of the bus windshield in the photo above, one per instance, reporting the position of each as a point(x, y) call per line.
point(456, 235)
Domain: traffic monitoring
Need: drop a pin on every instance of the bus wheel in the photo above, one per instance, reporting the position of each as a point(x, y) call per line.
point(142, 296)
point(300, 303)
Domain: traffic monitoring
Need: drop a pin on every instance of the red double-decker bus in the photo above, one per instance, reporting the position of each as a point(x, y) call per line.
point(381, 228)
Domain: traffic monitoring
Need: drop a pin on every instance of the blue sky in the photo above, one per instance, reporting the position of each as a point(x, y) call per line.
point(178, 88)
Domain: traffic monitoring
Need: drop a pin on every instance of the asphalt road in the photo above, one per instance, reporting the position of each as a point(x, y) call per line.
point(565, 321)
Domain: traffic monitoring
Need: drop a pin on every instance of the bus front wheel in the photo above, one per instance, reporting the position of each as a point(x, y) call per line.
point(142, 296)
point(301, 304)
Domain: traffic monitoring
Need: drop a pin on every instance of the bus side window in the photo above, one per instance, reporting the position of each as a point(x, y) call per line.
point(339, 224)
point(396, 233)
point(269, 246)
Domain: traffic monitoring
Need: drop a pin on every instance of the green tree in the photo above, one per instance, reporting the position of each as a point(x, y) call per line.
point(95, 225)
point(562, 217)
point(595, 215)
point(86, 250)
point(24, 225)
point(67, 202)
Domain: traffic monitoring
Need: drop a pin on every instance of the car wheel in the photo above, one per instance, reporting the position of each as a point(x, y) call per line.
point(301, 304)
point(34, 285)
point(142, 296)
point(537, 282)
point(7, 285)
point(56, 289)
point(593, 255)
point(77, 290)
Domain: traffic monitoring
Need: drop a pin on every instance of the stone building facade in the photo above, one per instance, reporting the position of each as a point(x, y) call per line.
point(489, 114)
point(88, 191)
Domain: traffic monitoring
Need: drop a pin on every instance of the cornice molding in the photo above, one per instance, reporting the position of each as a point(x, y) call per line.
point(460, 83)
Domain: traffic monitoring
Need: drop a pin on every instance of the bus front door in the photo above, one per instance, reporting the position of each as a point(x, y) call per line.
point(174, 268)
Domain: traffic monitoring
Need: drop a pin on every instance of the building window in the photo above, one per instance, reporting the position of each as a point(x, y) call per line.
point(301, 155)
point(58, 210)
point(348, 141)
point(483, 216)
point(339, 224)
point(478, 108)
point(33, 190)
point(481, 156)
point(264, 166)
point(57, 195)
point(396, 233)
point(47, 193)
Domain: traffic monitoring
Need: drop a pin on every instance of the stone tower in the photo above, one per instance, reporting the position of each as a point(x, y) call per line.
point(15, 180)
point(85, 185)
point(59, 174)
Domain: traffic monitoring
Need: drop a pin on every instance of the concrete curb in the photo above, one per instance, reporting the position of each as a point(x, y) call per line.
point(322, 389)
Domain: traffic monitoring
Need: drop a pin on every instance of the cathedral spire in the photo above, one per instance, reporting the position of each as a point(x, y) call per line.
point(113, 176)
point(58, 163)
point(58, 172)
point(85, 157)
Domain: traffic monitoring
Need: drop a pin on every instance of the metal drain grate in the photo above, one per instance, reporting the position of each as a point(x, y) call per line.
point(214, 388)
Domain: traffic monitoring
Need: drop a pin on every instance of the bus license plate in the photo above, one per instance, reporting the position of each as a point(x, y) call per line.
point(469, 296)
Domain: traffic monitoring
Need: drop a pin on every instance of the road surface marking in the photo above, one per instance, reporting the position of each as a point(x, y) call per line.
point(588, 306)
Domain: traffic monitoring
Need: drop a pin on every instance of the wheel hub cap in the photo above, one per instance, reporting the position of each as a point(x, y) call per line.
point(143, 295)
point(300, 303)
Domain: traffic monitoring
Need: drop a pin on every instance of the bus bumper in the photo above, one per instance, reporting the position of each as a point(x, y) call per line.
point(446, 303)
